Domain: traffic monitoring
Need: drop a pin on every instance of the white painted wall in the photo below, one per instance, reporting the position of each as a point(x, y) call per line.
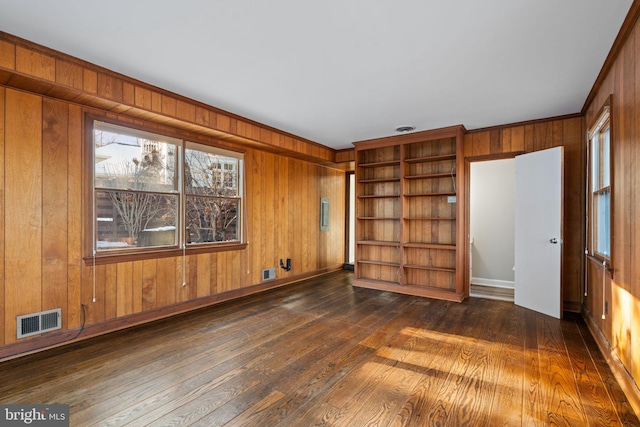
point(492, 222)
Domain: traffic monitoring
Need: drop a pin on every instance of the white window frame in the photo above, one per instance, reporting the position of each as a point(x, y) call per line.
point(600, 187)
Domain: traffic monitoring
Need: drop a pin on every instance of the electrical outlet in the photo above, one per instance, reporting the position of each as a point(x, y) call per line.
point(268, 274)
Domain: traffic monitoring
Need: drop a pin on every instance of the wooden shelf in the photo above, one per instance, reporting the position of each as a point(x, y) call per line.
point(445, 193)
point(375, 262)
point(429, 219)
point(370, 283)
point(379, 196)
point(432, 175)
point(378, 243)
point(378, 180)
point(378, 218)
point(426, 267)
point(379, 164)
point(429, 246)
point(409, 289)
point(431, 158)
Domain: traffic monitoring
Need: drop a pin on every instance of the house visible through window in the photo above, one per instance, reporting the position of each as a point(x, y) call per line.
point(600, 186)
point(152, 191)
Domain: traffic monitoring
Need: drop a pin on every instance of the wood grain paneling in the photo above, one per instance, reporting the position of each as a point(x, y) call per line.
point(42, 171)
point(620, 292)
point(7, 55)
point(634, 186)
point(281, 191)
point(34, 63)
point(54, 202)
point(167, 284)
point(124, 289)
point(346, 155)
point(574, 210)
point(149, 282)
point(74, 317)
point(2, 212)
point(23, 208)
point(69, 74)
point(111, 288)
point(200, 274)
point(93, 287)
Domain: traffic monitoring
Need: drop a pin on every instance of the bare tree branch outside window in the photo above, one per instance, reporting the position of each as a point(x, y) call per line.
point(211, 185)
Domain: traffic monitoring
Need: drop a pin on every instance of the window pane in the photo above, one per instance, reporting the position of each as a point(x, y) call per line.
point(211, 174)
point(603, 221)
point(600, 187)
point(595, 162)
point(211, 219)
point(131, 219)
point(604, 161)
point(133, 163)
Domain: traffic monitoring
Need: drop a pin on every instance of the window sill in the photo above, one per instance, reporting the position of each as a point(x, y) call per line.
point(123, 256)
point(602, 262)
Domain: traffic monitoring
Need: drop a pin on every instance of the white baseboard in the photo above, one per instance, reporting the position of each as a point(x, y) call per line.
point(493, 282)
point(486, 296)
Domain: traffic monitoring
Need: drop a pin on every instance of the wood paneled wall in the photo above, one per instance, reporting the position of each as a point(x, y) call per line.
point(42, 210)
point(509, 140)
point(618, 326)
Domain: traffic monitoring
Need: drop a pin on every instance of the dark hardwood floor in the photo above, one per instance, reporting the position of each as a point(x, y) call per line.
point(322, 353)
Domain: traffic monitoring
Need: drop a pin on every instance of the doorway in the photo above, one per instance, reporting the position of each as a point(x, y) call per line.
point(535, 181)
point(492, 229)
point(350, 222)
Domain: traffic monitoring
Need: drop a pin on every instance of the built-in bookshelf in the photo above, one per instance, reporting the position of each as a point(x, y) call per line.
point(409, 213)
point(378, 207)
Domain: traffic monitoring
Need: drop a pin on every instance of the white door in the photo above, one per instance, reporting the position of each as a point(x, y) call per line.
point(538, 231)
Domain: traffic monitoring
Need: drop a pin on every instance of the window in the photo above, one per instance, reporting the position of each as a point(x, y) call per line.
point(155, 192)
point(212, 195)
point(600, 186)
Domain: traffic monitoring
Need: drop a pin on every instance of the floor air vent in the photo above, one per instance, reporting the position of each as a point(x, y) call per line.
point(37, 323)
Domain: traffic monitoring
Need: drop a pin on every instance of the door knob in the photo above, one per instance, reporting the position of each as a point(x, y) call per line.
point(554, 241)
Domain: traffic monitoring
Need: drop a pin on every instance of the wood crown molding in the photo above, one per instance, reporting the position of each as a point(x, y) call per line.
point(526, 123)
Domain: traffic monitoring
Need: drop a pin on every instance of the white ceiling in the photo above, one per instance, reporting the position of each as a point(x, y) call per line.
point(338, 71)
